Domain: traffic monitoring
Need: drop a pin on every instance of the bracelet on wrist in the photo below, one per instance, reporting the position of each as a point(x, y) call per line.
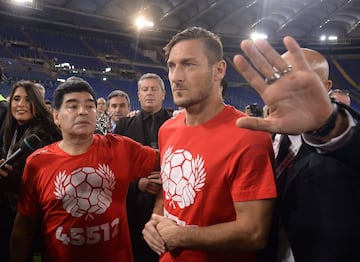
point(329, 125)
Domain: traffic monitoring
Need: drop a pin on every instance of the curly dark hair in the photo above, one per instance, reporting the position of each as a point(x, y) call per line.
point(72, 84)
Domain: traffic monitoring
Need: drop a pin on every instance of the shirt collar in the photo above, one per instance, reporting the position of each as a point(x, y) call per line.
point(147, 115)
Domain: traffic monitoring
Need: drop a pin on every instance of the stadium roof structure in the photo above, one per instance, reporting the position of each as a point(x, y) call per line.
point(233, 20)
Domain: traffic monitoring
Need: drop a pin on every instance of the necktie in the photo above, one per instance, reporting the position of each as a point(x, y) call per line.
point(283, 161)
point(154, 132)
point(283, 149)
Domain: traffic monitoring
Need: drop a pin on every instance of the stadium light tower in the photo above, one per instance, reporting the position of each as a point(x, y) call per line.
point(34, 4)
point(142, 23)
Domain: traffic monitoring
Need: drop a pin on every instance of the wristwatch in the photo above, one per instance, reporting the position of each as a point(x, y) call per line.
point(329, 125)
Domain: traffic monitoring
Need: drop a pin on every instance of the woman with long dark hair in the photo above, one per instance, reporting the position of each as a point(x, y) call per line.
point(27, 114)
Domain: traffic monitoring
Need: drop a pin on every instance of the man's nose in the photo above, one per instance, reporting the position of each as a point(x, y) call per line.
point(176, 74)
point(83, 110)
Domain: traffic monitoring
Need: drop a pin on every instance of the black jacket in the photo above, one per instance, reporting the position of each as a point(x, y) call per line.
point(139, 204)
point(320, 206)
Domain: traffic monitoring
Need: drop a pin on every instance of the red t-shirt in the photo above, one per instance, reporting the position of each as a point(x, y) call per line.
point(206, 168)
point(82, 198)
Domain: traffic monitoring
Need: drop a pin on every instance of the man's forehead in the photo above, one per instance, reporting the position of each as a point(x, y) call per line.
point(187, 48)
point(149, 81)
point(117, 100)
point(78, 96)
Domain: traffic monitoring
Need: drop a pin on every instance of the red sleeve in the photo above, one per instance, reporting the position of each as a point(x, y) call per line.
point(142, 159)
point(28, 198)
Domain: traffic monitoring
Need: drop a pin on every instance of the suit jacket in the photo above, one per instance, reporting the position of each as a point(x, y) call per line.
point(133, 127)
point(139, 204)
point(320, 203)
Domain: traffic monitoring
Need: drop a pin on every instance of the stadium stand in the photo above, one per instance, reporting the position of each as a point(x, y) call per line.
point(343, 73)
point(45, 56)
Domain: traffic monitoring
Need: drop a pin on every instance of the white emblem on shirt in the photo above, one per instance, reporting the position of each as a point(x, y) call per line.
point(182, 176)
point(86, 190)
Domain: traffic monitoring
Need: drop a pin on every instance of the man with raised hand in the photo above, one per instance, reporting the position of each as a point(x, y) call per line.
point(319, 199)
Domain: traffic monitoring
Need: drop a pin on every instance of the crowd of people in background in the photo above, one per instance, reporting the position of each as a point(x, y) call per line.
point(201, 182)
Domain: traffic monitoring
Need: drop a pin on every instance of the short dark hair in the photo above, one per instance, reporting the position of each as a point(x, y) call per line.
point(212, 42)
point(71, 85)
point(118, 93)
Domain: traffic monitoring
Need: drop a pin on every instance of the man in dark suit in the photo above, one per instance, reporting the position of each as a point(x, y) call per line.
point(319, 197)
point(315, 210)
point(295, 146)
point(144, 127)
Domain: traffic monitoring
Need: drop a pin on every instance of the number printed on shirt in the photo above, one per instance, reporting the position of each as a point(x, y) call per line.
point(79, 236)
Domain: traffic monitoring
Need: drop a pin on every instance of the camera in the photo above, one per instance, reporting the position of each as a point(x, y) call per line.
point(254, 110)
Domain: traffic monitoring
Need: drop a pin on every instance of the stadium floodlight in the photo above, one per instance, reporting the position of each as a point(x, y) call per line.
point(256, 35)
point(141, 22)
point(35, 4)
point(331, 38)
point(23, 1)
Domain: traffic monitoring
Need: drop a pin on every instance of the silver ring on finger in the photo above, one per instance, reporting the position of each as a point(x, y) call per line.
point(287, 70)
point(276, 76)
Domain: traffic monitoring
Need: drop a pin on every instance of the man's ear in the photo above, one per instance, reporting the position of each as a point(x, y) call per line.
point(56, 117)
point(328, 84)
point(219, 70)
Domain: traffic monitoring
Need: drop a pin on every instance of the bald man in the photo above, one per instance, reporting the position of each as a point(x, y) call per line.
point(316, 194)
point(317, 62)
